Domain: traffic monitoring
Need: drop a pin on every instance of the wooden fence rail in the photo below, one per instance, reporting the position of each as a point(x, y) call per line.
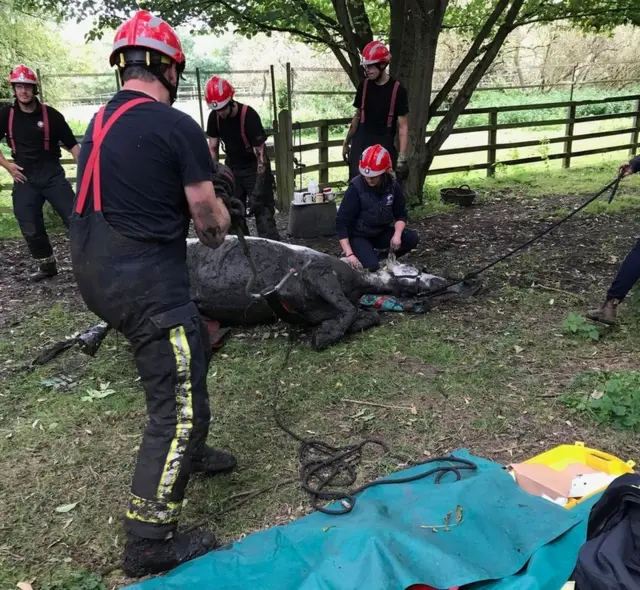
point(287, 167)
point(493, 126)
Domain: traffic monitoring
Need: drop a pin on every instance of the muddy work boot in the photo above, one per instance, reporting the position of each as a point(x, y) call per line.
point(47, 269)
point(606, 313)
point(213, 462)
point(151, 556)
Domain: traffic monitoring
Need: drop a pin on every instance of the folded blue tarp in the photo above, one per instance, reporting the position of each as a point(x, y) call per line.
point(507, 540)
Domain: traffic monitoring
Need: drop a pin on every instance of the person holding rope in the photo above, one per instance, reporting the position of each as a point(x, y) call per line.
point(373, 213)
point(34, 132)
point(628, 274)
point(144, 173)
point(382, 106)
point(239, 127)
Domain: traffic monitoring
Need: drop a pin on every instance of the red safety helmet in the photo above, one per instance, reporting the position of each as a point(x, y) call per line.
point(374, 53)
point(375, 160)
point(218, 93)
point(21, 74)
point(145, 31)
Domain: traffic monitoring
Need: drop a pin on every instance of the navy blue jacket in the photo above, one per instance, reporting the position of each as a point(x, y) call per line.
point(367, 211)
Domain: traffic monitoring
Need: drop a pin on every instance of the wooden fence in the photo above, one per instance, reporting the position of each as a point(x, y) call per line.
point(491, 147)
point(283, 151)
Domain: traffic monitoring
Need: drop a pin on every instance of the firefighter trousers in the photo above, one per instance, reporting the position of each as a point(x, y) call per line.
point(142, 290)
point(46, 181)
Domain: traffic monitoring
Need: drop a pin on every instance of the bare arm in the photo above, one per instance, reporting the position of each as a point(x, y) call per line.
point(261, 155)
point(13, 169)
point(403, 134)
point(352, 128)
point(210, 216)
point(75, 150)
point(214, 148)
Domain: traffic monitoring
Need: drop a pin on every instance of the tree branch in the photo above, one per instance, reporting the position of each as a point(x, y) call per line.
point(474, 51)
point(444, 128)
point(340, 6)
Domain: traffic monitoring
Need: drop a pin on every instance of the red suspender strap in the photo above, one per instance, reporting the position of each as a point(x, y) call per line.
point(364, 96)
point(92, 167)
point(45, 123)
point(12, 143)
point(243, 119)
point(392, 106)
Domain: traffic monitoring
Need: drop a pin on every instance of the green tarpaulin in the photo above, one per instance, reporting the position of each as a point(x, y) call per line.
point(507, 540)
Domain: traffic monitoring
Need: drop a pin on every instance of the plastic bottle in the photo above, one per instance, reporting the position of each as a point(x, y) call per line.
point(313, 187)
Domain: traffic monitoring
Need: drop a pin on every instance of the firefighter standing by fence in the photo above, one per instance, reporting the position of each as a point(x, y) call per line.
point(144, 172)
point(34, 133)
point(239, 127)
point(382, 106)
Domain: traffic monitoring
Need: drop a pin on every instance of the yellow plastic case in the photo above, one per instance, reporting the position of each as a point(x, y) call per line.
point(563, 455)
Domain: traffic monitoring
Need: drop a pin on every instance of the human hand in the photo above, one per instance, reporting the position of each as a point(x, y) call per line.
point(345, 151)
point(396, 241)
point(255, 204)
point(402, 168)
point(352, 260)
point(625, 169)
point(16, 173)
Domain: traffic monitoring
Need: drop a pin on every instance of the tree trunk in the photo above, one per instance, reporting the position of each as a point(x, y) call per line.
point(415, 28)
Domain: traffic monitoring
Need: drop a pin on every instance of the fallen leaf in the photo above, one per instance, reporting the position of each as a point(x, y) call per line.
point(326, 528)
point(24, 586)
point(458, 514)
point(414, 410)
point(66, 507)
point(518, 349)
point(67, 523)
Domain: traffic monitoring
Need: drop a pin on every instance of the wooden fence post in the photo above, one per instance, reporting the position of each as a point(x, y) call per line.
point(199, 88)
point(274, 98)
point(634, 136)
point(289, 89)
point(285, 181)
point(323, 151)
point(493, 140)
point(568, 132)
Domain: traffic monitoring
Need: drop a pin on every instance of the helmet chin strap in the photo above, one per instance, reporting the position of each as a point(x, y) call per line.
point(173, 90)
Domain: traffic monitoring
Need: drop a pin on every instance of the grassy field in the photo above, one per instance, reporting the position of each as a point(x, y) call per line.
point(487, 374)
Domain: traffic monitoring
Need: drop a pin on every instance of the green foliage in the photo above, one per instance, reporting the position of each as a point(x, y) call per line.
point(66, 579)
point(576, 324)
point(615, 398)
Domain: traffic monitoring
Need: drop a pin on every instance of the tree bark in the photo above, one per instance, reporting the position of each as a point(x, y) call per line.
point(415, 29)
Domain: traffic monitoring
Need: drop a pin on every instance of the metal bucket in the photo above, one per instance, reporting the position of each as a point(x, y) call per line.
point(462, 196)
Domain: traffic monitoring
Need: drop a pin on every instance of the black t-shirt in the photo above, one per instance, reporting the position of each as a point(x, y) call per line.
point(28, 133)
point(228, 131)
point(146, 159)
point(377, 104)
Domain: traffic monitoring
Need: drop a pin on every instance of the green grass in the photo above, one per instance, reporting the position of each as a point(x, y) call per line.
point(487, 374)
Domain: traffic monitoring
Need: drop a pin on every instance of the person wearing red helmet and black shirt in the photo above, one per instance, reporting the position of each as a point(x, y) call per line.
point(144, 172)
point(34, 132)
point(239, 127)
point(382, 108)
point(373, 214)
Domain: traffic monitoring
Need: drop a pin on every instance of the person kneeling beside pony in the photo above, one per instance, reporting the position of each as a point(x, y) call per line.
point(373, 213)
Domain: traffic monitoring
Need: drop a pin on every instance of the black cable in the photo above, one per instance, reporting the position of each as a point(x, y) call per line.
point(323, 465)
point(613, 185)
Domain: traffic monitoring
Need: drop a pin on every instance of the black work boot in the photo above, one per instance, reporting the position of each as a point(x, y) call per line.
point(151, 556)
point(607, 313)
point(213, 462)
point(47, 269)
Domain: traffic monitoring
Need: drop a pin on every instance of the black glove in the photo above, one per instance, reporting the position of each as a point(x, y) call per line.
point(256, 205)
point(402, 168)
point(236, 210)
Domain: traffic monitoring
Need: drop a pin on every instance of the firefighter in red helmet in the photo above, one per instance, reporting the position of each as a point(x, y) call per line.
point(382, 108)
point(34, 132)
point(239, 128)
point(372, 218)
point(145, 171)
